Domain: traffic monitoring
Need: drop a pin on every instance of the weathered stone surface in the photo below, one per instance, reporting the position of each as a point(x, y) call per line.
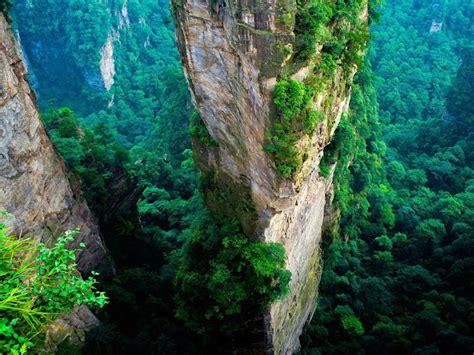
point(107, 62)
point(70, 328)
point(34, 184)
point(232, 53)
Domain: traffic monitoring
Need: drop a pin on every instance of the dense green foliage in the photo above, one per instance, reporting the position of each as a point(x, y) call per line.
point(198, 130)
point(87, 18)
point(294, 119)
point(344, 44)
point(151, 104)
point(400, 265)
point(237, 275)
point(38, 283)
point(329, 35)
point(91, 154)
point(149, 101)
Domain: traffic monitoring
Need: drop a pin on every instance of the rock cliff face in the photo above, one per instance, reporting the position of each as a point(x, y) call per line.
point(233, 53)
point(34, 183)
point(104, 78)
point(107, 62)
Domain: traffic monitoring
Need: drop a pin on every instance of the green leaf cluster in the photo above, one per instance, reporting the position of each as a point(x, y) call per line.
point(92, 154)
point(236, 277)
point(335, 25)
point(198, 130)
point(294, 118)
point(37, 284)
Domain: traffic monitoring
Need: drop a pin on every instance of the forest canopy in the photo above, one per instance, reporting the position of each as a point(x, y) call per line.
point(398, 273)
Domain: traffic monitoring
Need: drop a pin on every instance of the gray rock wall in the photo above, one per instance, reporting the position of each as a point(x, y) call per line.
point(34, 183)
point(232, 53)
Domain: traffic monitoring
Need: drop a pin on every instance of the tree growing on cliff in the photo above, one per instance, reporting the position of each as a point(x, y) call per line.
point(223, 277)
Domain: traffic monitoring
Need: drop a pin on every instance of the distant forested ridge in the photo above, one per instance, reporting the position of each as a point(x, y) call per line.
point(63, 41)
point(398, 274)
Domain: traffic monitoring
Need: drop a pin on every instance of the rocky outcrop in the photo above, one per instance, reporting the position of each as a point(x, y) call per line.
point(105, 78)
point(107, 62)
point(233, 53)
point(124, 20)
point(34, 183)
point(70, 329)
point(436, 26)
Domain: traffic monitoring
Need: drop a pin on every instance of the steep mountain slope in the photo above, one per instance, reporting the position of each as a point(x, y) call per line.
point(271, 101)
point(34, 184)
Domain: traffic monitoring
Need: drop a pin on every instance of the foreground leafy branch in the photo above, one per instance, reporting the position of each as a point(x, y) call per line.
point(37, 284)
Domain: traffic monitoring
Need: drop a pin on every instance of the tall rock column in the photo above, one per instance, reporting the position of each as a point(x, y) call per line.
point(234, 52)
point(34, 183)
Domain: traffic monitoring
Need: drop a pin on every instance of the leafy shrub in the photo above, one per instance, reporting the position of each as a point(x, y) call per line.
point(198, 130)
point(37, 285)
point(352, 325)
point(313, 19)
point(312, 120)
point(311, 25)
point(294, 118)
point(324, 169)
point(236, 274)
point(328, 64)
point(291, 97)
